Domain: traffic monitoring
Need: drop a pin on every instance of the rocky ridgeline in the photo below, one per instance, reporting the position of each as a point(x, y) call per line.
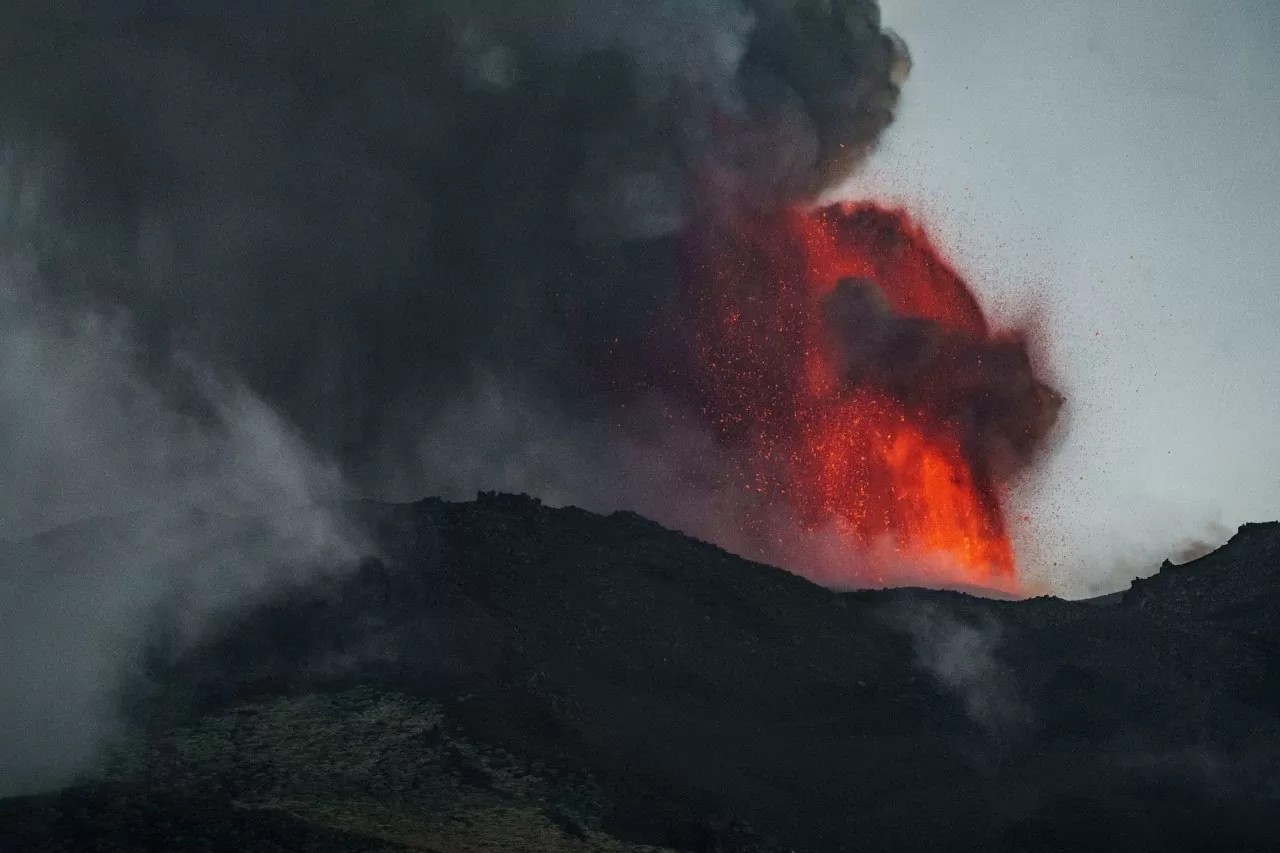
point(1237, 585)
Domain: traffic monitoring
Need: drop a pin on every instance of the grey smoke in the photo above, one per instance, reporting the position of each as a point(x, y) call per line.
point(1189, 549)
point(351, 210)
point(253, 256)
point(119, 504)
point(869, 338)
point(961, 656)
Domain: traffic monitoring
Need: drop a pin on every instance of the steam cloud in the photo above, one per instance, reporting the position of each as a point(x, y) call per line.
point(961, 657)
point(255, 255)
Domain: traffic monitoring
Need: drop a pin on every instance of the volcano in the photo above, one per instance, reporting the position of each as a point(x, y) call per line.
point(261, 259)
point(367, 217)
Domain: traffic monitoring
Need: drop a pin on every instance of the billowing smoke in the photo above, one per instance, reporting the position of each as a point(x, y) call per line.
point(354, 210)
point(210, 504)
point(255, 255)
point(988, 385)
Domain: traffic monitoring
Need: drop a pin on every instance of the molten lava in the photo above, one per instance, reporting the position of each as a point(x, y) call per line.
point(855, 374)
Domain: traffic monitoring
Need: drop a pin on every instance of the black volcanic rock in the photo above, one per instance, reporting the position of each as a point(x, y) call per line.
point(505, 675)
point(1235, 586)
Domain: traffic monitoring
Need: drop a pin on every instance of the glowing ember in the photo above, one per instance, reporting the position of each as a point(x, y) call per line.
point(856, 376)
point(864, 462)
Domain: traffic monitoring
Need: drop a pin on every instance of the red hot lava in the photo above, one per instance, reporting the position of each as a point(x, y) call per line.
point(856, 375)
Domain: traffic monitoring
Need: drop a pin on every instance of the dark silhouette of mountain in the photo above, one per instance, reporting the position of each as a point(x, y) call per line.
point(509, 676)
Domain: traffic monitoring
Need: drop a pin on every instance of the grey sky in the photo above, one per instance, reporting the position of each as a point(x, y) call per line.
point(1118, 161)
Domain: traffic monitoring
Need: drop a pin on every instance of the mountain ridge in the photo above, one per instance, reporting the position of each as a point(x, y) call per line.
point(714, 701)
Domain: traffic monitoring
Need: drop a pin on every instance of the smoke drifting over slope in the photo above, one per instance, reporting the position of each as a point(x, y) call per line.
point(255, 255)
point(217, 492)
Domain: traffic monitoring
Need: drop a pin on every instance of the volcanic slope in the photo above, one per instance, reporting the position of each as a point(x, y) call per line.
point(509, 676)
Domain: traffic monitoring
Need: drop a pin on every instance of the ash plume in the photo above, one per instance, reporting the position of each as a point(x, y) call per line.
point(989, 385)
point(255, 255)
point(352, 210)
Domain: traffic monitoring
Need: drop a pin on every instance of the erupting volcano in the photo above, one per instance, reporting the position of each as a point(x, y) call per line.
point(855, 375)
point(480, 245)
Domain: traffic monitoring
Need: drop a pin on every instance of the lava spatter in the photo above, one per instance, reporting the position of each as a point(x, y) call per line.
point(857, 379)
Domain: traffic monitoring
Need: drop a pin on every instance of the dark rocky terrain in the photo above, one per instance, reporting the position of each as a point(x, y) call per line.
point(507, 676)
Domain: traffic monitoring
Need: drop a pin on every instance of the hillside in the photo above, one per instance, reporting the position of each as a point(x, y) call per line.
point(508, 676)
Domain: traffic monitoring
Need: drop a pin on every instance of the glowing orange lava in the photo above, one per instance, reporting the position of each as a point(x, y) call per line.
point(898, 456)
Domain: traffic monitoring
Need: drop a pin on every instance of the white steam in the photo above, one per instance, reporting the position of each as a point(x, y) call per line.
point(195, 506)
point(961, 658)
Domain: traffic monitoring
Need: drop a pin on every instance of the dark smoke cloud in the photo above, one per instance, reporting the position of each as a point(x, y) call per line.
point(351, 207)
point(987, 386)
point(256, 254)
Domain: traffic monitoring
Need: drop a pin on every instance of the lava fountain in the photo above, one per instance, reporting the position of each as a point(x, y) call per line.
point(857, 379)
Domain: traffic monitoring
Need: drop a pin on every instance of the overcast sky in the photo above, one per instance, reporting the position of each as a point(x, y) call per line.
point(1117, 163)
